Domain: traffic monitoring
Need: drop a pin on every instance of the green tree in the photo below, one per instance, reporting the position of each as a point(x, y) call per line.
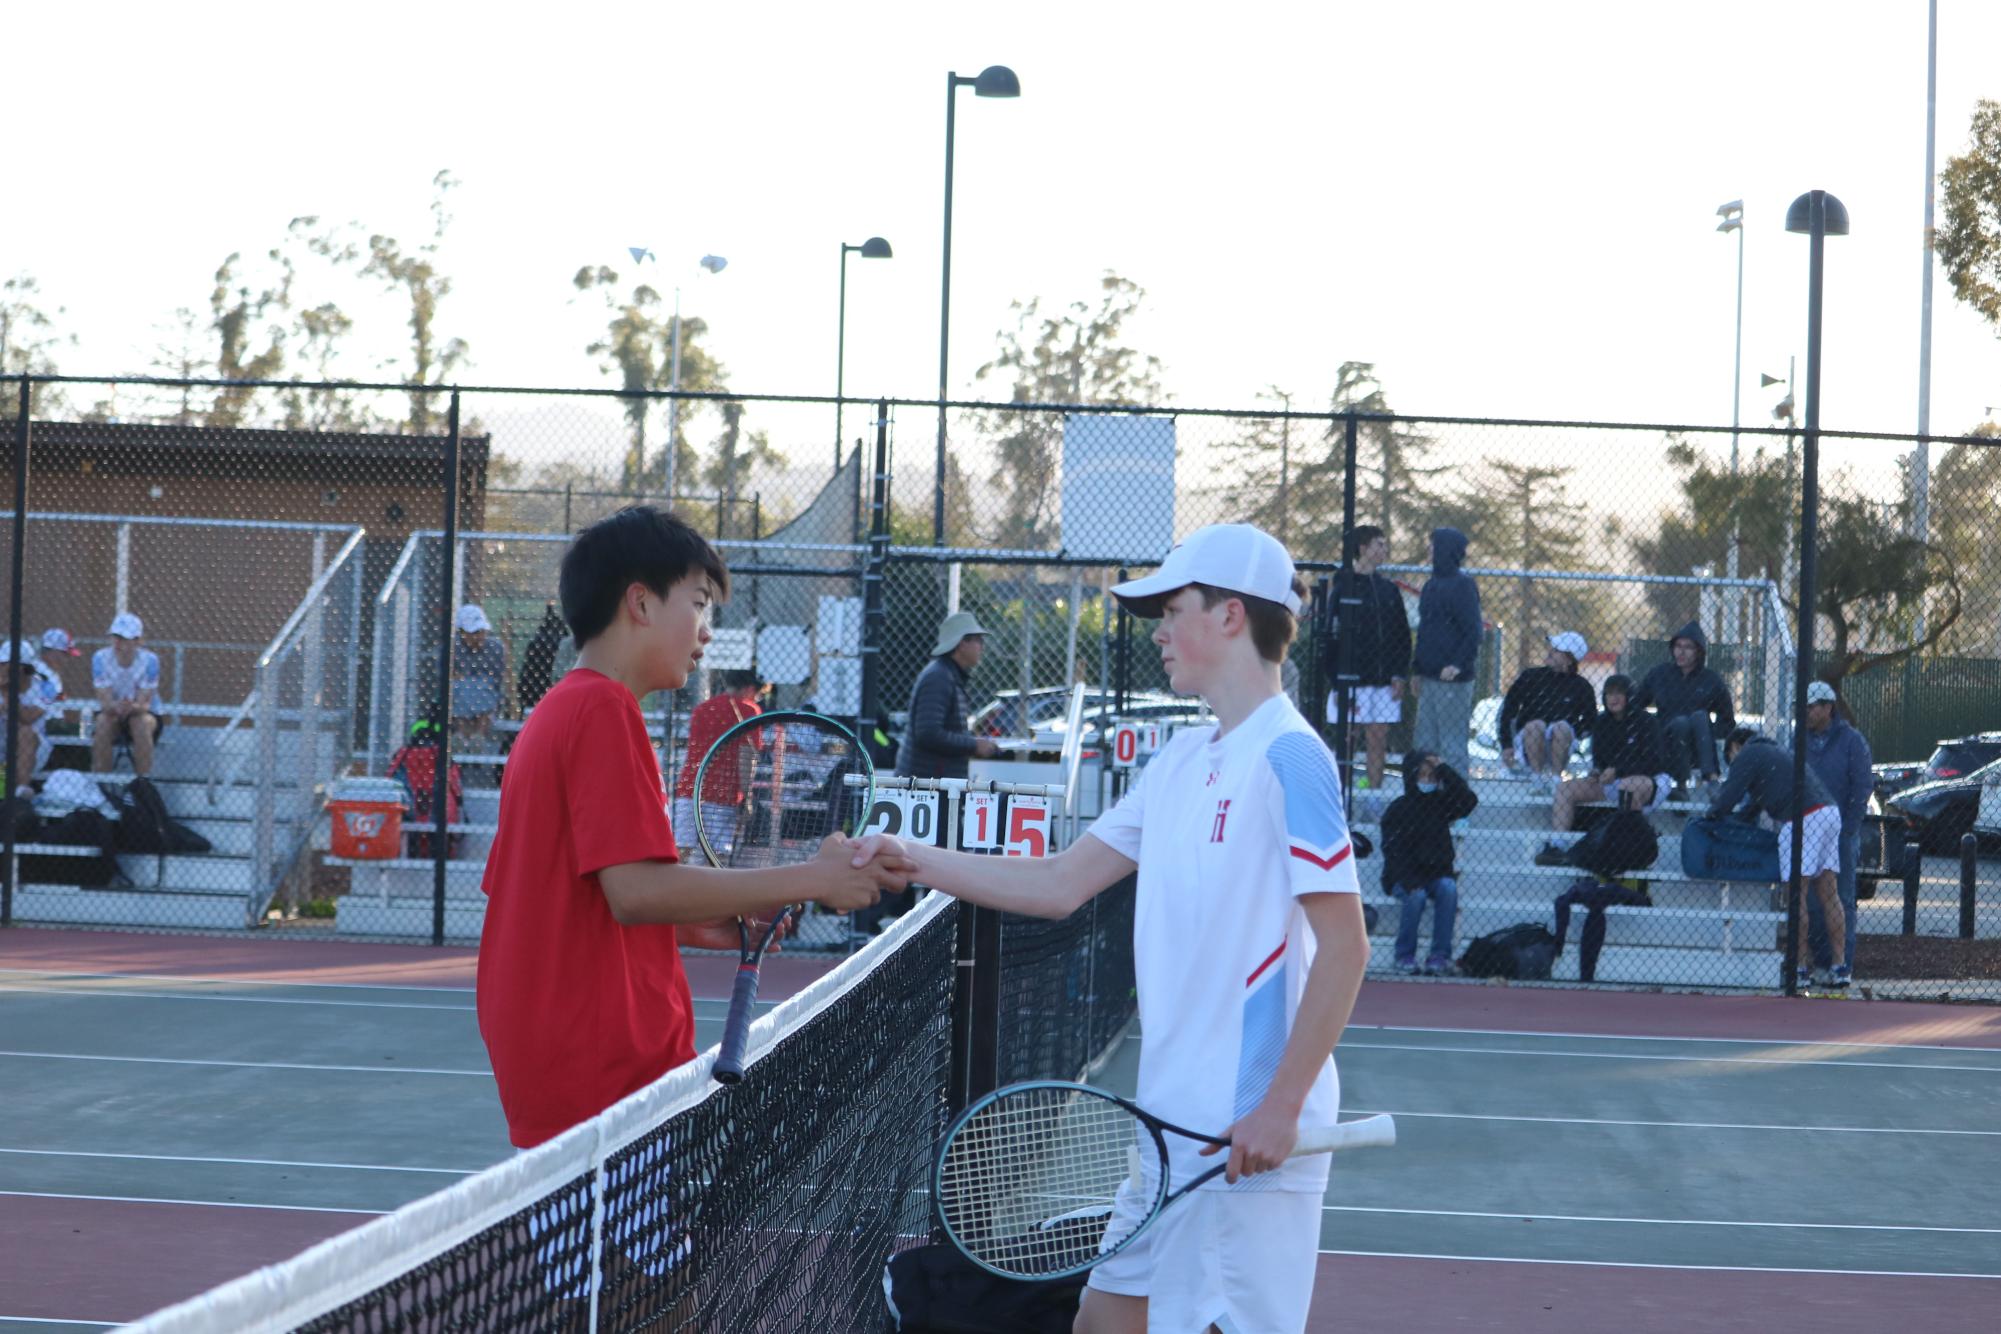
point(738, 456)
point(249, 335)
point(1279, 479)
point(1521, 515)
point(415, 273)
point(179, 356)
point(29, 337)
point(1078, 356)
point(1968, 240)
point(637, 346)
point(1397, 486)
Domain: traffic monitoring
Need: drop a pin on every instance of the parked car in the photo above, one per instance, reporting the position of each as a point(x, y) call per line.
point(1938, 814)
point(1953, 758)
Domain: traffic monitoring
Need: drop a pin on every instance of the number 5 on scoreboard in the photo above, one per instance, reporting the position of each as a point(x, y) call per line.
point(1027, 827)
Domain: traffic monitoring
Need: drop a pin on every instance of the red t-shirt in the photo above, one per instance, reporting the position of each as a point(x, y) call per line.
point(577, 1011)
point(706, 725)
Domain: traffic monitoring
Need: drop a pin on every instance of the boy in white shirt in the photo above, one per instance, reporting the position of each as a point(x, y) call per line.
point(1249, 943)
point(126, 678)
point(38, 697)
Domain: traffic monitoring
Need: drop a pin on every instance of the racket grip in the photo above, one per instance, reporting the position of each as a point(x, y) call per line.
point(1371, 1132)
point(736, 1028)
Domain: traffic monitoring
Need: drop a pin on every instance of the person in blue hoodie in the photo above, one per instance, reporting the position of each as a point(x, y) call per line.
point(1693, 705)
point(1448, 643)
point(1840, 755)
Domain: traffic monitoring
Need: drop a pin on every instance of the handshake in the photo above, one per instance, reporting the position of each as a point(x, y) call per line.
point(855, 872)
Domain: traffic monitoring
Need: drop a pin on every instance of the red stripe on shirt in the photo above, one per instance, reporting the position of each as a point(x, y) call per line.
point(1270, 959)
point(1324, 863)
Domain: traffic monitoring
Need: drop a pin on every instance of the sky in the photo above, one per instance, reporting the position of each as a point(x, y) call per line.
point(1509, 209)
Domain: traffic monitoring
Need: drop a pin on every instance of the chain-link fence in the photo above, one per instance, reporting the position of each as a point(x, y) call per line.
point(324, 607)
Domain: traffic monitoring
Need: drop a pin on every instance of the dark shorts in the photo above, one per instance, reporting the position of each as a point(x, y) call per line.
point(122, 731)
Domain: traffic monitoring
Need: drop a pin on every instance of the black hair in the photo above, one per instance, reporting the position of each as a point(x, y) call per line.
point(1360, 536)
point(640, 544)
point(1617, 684)
point(1742, 735)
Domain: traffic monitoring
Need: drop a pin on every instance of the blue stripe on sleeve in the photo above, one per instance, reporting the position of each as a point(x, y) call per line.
point(1305, 771)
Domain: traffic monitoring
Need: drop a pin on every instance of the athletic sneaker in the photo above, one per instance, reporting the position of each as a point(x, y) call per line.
point(1823, 977)
point(1407, 966)
point(1803, 979)
point(1840, 976)
point(1552, 855)
point(1439, 966)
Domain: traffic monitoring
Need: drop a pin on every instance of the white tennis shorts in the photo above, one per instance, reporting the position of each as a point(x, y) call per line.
point(1820, 845)
point(1373, 704)
point(1248, 1256)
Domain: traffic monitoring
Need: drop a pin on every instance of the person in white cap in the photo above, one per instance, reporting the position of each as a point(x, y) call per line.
point(938, 742)
point(1249, 945)
point(56, 645)
point(1545, 711)
point(126, 677)
point(481, 687)
point(38, 701)
point(1840, 755)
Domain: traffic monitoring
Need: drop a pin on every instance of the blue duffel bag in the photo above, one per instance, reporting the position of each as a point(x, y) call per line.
point(1729, 850)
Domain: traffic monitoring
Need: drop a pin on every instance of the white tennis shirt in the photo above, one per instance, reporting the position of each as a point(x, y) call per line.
point(1227, 836)
point(107, 673)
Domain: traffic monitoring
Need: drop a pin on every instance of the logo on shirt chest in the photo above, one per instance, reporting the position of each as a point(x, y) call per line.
point(1222, 819)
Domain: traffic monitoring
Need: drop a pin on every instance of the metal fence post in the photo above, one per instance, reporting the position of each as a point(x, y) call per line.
point(312, 676)
point(263, 835)
point(440, 784)
point(1969, 875)
point(1914, 868)
point(14, 594)
point(874, 617)
point(1348, 597)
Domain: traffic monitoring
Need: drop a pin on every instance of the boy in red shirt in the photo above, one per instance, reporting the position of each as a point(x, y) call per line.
point(581, 995)
point(706, 725)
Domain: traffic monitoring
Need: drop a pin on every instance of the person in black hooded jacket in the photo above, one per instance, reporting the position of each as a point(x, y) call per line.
point(1370, 611)
point(1693, 704)
point(1418, 862)
point(1547, 710)
point(1626, 758)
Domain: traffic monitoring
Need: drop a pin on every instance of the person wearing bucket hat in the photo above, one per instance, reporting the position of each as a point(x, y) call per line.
point(1249, 943)
point(1546, 710)
point(939, 742)
point(38, 702)
point(126, 677)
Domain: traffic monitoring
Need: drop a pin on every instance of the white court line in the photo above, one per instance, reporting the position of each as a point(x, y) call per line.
point(1649, 1222)
point(235, 1000)
point(1685, 1125)
point(1658, 1037)
point(57, 1320)
point(233, 981)
point(1637, 1264)
point(204, 1204)
point(1655, 1056)
point(239, 1162)
point(245, 1065)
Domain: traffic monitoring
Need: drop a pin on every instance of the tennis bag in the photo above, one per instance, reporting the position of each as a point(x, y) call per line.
point(936, 1290)
point(1729, 850)
point(1613, 847)
point(81, 828)
point(1522, 952)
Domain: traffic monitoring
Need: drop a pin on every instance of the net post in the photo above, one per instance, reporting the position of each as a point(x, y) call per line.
point(447, 626)
point(14, 595)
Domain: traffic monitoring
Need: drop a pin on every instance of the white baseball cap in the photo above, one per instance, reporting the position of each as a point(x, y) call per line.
point(1820, 692)
point(472, 619)
point(127, 626)
point(8, 647)
point(1233, 556)
point(57, 640)
point(1569, 641)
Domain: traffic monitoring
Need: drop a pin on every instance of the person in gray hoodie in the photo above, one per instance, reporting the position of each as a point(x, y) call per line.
point(1840, 756)
point(1761, 778)
point(1448, 644)
point(1692, 702)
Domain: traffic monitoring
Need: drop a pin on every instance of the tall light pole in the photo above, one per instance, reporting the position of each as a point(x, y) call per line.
point(1921, 470)
point(1732, 214)
point(873, 248)
point(993, 81)
point(712, 264)
point(1818, 215)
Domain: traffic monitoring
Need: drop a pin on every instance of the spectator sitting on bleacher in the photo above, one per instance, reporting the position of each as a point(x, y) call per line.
point(56, 644)
point(38, 699)
point(1694, 707)
point(1546, 710)
point(126, 677)
point(480, 687)
point(1626, 758)
point(1418, 856)
point(1761, 777)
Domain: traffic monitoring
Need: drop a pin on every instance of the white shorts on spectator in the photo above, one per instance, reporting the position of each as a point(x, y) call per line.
point(1373, 704)
point(1820, 848)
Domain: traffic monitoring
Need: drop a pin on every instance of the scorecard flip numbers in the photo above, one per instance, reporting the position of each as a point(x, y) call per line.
point(911, 816)
point(980, 822)
point(1027, 827)
point(1125, 745)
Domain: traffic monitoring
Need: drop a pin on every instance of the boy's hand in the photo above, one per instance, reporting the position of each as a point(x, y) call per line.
point(850, 888)
point(870, 847)
point(1258, 1143)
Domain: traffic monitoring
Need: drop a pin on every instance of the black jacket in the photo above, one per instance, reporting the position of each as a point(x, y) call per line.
point(1417, 830)
point(1551, 696)
point(936, 743)
point(1449, 624)
point(1629, 745)
point(1676, 694)
point(1376, 627)
point(1762, 775)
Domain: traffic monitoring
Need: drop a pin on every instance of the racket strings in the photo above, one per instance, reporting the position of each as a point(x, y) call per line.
point(771, 790)
point(1027, 1183)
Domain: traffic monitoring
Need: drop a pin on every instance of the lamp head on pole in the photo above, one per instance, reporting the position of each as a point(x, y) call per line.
point(873, 248)
point(1834, 215)
point(996, 81)
point(1732, 214)
point(1767, 381)
point(714, 263)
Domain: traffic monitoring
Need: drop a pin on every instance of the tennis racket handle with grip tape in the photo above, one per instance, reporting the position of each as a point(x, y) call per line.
point(1370, 1132)
point(736, 1029)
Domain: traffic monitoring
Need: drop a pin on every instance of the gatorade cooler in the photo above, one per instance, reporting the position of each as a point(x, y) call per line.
point(367, 816)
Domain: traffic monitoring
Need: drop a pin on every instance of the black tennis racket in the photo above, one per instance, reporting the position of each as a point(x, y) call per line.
point(1028, 1174)
point(768, 793)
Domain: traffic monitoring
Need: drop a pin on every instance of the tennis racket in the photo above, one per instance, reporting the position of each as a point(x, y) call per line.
point(1028, 1174)
point(768, 792)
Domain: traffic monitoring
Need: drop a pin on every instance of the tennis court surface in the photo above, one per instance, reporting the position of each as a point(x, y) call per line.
point(181, 1112)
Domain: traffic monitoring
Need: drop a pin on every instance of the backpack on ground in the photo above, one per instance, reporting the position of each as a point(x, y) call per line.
point(145, 826)
point(936, 1290)
point(1522, 952)
point(81, 828)
point(1616, 846)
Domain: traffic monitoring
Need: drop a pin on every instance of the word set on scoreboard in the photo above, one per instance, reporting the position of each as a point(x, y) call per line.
point(1003, 824)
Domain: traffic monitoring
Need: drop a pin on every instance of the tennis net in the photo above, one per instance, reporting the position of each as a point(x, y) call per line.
point(690, 1207)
